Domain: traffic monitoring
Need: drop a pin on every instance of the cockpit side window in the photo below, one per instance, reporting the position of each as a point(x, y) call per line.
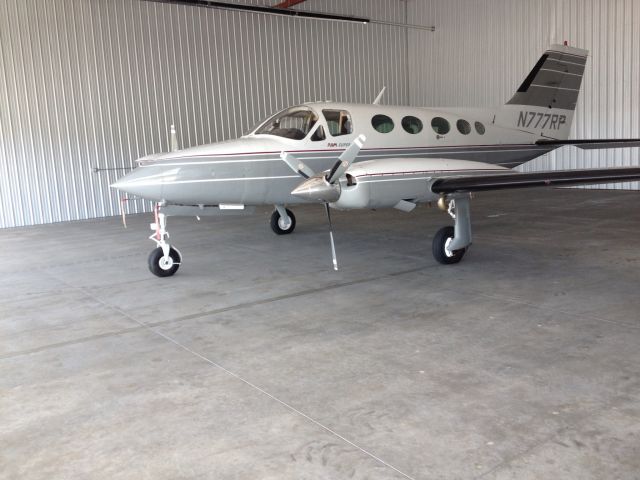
point(294, 123)
point(338, 121)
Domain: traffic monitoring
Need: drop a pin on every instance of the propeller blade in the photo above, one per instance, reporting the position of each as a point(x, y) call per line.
point(346, 159)
point(333, 247)
point(297, 165)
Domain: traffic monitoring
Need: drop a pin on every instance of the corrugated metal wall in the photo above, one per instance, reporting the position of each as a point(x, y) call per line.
point(482, 50)
point(97, 83)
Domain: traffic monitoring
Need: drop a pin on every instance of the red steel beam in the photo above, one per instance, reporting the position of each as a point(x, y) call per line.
point(288, 3)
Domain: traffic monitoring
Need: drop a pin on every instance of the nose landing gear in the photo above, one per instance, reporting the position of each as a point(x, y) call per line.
point(164, 260)
point(164, 266)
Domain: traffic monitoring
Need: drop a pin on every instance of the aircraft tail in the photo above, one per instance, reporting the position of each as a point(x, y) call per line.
point(546, 100)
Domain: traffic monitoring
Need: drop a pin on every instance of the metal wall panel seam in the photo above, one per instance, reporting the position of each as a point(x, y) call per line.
point(29, 172)
point(91, 132)
point(114, 95)
point(31, 103)
point(6, 193)
point(80, 124)
point(97, 113)
point(11, 107)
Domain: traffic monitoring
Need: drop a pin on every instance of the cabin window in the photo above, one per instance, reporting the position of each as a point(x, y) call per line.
point(479, 128)
point(463, 127)
point(338, 121)
point(294, 123)
point(412, 124)
point(382, 123)
point(440, 125)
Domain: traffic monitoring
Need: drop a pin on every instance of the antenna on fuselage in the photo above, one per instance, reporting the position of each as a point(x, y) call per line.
point(174, 139)
point(379, 97)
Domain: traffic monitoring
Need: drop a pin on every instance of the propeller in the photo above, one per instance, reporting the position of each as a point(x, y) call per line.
point(325, 187)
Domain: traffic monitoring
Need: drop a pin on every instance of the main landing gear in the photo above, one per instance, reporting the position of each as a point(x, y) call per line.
point(451, 243)
point(283, 221)
point(164, 260)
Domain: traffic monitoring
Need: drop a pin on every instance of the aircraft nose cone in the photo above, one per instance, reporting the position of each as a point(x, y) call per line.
point(317, 189)
point(142, 182)
point(126, 181)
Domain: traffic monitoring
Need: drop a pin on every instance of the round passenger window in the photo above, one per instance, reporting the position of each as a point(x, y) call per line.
point(479, 128)
point(382, 123)
point(440, 126)
point(463, 127)
point(412, 124)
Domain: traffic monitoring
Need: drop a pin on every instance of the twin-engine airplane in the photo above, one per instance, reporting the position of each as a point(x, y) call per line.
point(350, 156)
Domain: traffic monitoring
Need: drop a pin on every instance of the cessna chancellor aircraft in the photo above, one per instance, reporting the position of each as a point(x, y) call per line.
point(350, 156)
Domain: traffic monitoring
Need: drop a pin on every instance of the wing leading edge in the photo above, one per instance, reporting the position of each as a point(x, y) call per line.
point(502, 181)
point(593, 144)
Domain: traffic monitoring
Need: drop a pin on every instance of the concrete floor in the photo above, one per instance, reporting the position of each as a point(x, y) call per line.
point(257, 361)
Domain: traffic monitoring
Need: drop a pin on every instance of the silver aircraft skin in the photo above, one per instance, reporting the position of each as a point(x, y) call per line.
point(352, 156)
point(250, 171)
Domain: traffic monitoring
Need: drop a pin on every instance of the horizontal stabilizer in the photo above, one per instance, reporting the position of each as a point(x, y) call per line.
point(593, 144)
point(478, 183)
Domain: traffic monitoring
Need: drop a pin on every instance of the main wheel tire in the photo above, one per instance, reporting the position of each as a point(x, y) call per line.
point(440, 251)
point(278, 225)
point(162, 267)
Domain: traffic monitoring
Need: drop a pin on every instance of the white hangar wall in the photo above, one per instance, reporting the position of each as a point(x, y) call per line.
point(483, 49)
point(97, 83)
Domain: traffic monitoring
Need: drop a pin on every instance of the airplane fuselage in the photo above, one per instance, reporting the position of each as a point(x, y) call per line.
point(250, 171)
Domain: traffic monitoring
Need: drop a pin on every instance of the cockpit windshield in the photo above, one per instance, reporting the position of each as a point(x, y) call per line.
point(293, 123)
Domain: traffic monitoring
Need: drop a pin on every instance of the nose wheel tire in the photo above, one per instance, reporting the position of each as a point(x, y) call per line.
point(282, 226)
point(440, 245)
point(164, 267)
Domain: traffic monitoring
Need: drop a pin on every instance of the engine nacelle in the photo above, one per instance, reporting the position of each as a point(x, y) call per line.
point(388, 182)
point(385, 183)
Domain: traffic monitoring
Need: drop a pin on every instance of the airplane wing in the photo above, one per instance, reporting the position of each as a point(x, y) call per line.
point(593, 144)
point(502, 181)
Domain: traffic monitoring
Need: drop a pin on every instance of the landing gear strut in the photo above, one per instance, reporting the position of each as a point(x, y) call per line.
point(451, 243)
point(283, 221)
point(164, 260)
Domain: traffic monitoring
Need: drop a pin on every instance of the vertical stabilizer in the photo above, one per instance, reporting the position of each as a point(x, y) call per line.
point(546, 100)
